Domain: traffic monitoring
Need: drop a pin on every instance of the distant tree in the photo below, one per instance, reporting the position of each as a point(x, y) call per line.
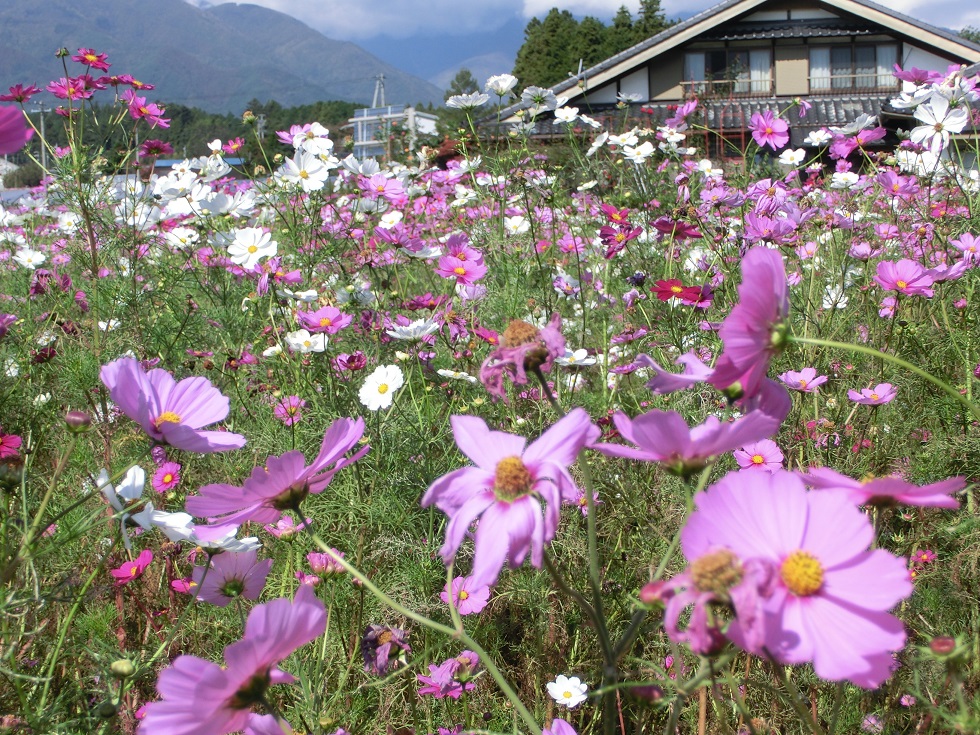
point(620, 35)
point(592, 42)
point(463, 83)
point(550, 50)
point(971, 34)
point(650, 21)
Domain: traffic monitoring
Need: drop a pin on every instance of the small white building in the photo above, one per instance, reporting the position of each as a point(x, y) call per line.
point(374, 127)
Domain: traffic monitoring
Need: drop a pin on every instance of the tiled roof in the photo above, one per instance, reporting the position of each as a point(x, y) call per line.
point(789, 29)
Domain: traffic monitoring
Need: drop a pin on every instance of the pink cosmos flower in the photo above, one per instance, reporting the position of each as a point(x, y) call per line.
point(328, 320)
point(662, 382)
point(559, 727)
point(167, 477)
point(468, 599)
point(969, 245)
point(755, 329)
point(139, 109)
point(805, 381)
point(664, 436)
point(504, 491)
point(830, 598)
point(523, 347)
point(170, 412)
point(20, 93)
point(14, 132)
point(199, 697)
point(761, 455)
point(769, 130)
point(285, 528)
point(92, 59)
point(906, 276)
point(887, 490)
point(134, 569)
point(466, 272)
point(232, 574)
point(282, 483)
point(9, 444)
point(881, 393)
point(323, 563)
point(289, 410)
point(444, 681)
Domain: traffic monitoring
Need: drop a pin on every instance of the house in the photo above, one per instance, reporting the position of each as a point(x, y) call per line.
point(374, 127)
point(744, 56)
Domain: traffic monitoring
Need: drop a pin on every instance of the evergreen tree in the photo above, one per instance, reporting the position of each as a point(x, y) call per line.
point(592, 43)
point(546, 57)
point(971, 34)
point(620, 35)
point(650, 22)
point(463, 83)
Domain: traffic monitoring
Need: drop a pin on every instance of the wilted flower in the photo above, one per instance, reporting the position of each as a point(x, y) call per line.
point(384, 648)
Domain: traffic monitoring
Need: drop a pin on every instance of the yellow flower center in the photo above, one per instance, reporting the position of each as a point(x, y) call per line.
point(383, 388)
point(901, 284)
point(252, 249)
point(303, 174)
point(802, 573)
point(758, 459)
point(512, 479)
point(168, 478)
point(464, 595)
point(716, 571)
point(167, 417)
point(325, 322)
point(874, 396)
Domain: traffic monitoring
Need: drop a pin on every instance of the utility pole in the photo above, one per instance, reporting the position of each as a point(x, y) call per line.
point(42, 108)
point(260, 126)
point(379, 89)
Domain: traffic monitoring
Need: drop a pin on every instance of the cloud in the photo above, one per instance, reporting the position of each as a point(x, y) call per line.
point(602, 9)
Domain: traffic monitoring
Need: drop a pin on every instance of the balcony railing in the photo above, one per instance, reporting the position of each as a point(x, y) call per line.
point(729, 88)
point(863, 82)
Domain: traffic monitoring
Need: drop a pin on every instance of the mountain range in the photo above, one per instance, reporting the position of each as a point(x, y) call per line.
point(217, 58)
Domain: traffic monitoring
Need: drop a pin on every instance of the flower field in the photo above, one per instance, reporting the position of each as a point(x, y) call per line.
point(587, 436)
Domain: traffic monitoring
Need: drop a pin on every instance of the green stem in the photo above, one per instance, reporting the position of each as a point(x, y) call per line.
point(465, 639)
point(949, 390)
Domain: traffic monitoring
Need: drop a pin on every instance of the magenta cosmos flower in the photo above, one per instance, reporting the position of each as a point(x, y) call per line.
point(761, 455)
point(468, 599)
point(170, 412)
point(14, 132)
point(522, 347)
point(830, 596)
point(134, 569)
point(881, 393)
point(505, 489)
point(201, 698)
point(664, 436)
point(805, 380)
point(282, 483)
point(887, 490)
point(906, 277)
point(769, 130)
point(756, 328)
point(232, 574)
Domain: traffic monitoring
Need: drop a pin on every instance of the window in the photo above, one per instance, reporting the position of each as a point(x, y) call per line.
point(728, 71)
point(852, 67)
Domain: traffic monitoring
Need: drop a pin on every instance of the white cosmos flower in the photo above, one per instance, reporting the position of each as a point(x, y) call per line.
point(250, 245)
point(181, 527)
point(417, 330)
point(516, 225)
point(456, 375)
point(500, 84)
point(30, 259)
point(378, 389)
point(566, 114)
point(129, 489)
point(576, 358)
point(939, 121)
point(793, 158)
point(817, 138)
point(640, 153)
point(600, 140)
point(303, 342)
point(569, 691)
point(305, 169)
point(468, 101)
